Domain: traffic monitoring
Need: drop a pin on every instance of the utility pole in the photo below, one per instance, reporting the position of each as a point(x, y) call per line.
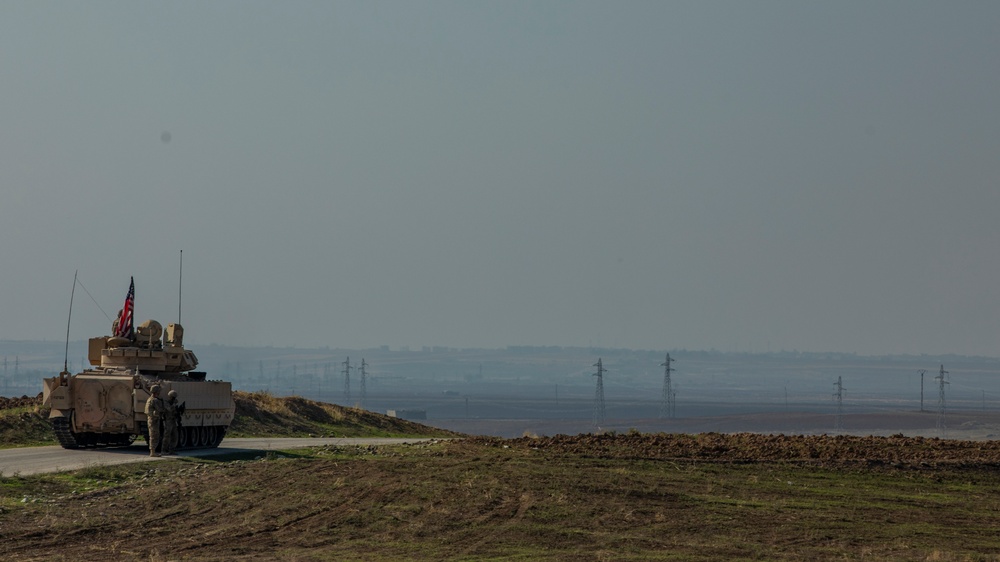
point(327, 373)
point(599, 395)
point(839, 395)
point(941, 382)
point(922, 389)
point(319, 383)
point(364, 384)
point(347, 382)
point(666, 401)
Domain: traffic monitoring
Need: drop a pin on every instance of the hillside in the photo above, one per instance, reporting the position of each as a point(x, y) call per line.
point(260, 414)
point(23, 421)
point(588, 497)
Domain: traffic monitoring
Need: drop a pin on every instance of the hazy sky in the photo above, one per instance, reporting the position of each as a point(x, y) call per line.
point(820, 176)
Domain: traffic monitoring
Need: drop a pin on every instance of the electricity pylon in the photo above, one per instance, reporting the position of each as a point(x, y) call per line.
point(347, 382)
point(922, 389)
point(667, 400)
point(839, 395)
point(941, 382)
point(599, 395)
point(364, 385)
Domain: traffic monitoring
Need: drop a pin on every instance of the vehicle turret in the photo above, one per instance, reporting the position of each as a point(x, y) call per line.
point(151, 350)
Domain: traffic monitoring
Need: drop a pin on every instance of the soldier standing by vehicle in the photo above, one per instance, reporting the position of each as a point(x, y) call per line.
point(170, 416)
point(155, 408)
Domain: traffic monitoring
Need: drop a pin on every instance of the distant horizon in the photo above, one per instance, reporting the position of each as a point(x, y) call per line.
point(446, 349)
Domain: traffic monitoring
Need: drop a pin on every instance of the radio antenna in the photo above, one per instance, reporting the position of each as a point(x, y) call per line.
point(68, 320)
point(179, 283)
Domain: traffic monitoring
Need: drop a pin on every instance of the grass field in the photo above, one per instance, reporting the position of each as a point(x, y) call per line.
point(624, 497)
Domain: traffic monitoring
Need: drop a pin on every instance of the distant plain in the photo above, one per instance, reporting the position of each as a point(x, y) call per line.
point(549, 390)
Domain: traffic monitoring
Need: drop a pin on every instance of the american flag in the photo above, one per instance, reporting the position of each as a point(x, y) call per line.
point(124, 329)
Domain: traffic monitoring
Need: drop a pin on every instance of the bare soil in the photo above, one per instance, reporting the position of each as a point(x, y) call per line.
point(959, 424)
point(896, 451)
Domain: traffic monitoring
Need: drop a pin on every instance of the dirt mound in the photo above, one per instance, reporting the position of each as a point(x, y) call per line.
point(896, 451)
point(24, 401)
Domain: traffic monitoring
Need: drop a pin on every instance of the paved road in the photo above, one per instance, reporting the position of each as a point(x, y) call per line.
point(37, 460)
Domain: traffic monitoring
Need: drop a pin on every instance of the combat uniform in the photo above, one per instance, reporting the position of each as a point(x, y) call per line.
point(155, 408)
point(170, 424)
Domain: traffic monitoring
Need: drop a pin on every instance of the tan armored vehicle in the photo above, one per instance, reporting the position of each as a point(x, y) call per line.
point(103, 406)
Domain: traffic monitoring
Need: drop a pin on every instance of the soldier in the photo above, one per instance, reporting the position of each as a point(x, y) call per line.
point(155, 408)
point(170, 417)
point(114, 325)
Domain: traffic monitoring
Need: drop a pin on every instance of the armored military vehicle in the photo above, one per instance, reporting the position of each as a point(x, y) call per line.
point(104, 406)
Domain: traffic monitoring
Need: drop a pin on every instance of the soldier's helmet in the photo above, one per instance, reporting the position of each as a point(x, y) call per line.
point(172, 394)
point(155, 389)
